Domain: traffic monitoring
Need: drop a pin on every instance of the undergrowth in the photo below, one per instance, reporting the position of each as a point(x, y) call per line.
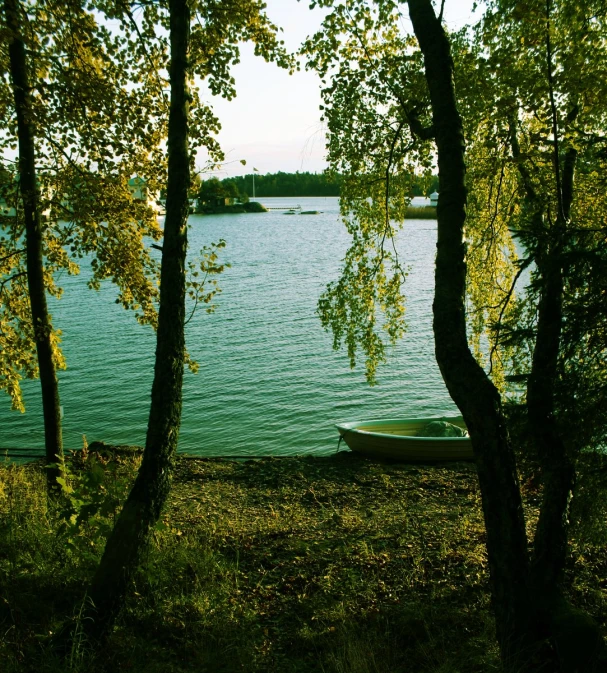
point(297, 565)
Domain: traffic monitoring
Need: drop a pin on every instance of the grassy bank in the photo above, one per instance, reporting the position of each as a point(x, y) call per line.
point(421, 213)
point(338, 565)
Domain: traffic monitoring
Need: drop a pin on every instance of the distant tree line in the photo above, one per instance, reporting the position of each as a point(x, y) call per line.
point(307, 184)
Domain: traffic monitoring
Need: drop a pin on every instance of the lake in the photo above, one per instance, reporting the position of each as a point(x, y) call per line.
point(269, 382)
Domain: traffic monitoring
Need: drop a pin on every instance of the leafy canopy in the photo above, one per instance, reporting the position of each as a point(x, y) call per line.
point(99, 76)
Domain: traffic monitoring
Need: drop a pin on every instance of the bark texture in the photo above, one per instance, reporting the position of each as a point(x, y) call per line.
point(574, 635)
point(558, 468)
point(468, 385)
point(30, 195)
point(521, 594)
point(150, 491)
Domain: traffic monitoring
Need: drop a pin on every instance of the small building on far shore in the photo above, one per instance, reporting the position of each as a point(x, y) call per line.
point(434, 199)
point(215, 201)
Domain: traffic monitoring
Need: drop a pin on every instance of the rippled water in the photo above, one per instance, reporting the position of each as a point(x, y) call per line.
point(269, 382)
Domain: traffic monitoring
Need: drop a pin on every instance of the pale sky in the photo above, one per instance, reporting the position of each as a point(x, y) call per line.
point(274, 122)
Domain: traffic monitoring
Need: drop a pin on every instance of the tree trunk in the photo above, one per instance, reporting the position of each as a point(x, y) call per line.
point(150, 491)
point(575, 636)
point(30, 195)
point(558, 469)
point(468, 385)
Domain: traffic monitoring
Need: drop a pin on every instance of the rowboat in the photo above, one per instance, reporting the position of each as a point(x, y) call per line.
point(398, 439)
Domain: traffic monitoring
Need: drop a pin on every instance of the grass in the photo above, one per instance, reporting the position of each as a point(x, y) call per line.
point(421, 213)
point(336, 565)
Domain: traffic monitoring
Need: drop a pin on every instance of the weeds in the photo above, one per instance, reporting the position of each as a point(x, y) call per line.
point(299, 565)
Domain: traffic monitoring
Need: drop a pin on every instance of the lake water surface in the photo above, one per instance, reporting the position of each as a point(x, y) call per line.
point(269, 382)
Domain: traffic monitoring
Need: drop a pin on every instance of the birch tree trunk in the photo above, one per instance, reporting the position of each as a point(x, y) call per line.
point(30, 195)
point(152, 485)
point(468, 385)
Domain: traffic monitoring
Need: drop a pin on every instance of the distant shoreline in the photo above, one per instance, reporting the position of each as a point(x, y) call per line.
point(412, 212)
point(250, 207)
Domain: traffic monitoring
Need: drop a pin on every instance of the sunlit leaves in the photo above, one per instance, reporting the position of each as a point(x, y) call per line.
point(100, 97)
point(374, 95)
point(202, 285)
point(376, 111)
point(546, 99)
point(491, 258)
point(367, 301)
point(90, 140)
point(16, 333)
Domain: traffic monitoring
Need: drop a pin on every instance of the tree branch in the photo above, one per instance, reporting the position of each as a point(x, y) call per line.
point(417, 128)
point(12, 254)
point(11, 278)
point(526, 263)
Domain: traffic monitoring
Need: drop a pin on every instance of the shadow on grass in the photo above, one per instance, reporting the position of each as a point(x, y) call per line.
point(294, 565)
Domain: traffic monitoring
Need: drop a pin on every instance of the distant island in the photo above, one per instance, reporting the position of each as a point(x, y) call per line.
point(289, 185)
point(232, 195)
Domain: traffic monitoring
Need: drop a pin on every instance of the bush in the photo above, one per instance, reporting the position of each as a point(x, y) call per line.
point(255, 207)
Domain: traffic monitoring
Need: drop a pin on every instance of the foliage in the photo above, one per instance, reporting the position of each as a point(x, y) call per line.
point(539, 81)
point(377, 113)
point(89, 143)
point(375, 99)
point(42, 559)
point(214, 192)
point(376, 106)
point(288, 184)
point(100, 93)
point(377, 110)
point(92, 489)
point(291, 564)
point(303, 183)
point(523, 108)
point(202, 286)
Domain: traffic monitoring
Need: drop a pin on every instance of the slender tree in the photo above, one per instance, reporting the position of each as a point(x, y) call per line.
point(379, 112)
point(30, 195)
point(467, 382)
point(151, 488)
point(83, 124)
point(205, 50)
point(554, 83)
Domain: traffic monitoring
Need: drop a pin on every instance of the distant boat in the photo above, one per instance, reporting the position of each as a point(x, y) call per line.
point(398, 439)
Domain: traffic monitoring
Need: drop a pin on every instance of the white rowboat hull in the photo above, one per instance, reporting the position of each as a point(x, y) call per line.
point(397, 439)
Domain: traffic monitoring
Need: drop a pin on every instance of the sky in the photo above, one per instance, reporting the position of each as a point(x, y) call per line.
point(274, 122)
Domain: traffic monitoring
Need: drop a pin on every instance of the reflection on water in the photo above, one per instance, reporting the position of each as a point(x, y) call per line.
point(269, 382)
